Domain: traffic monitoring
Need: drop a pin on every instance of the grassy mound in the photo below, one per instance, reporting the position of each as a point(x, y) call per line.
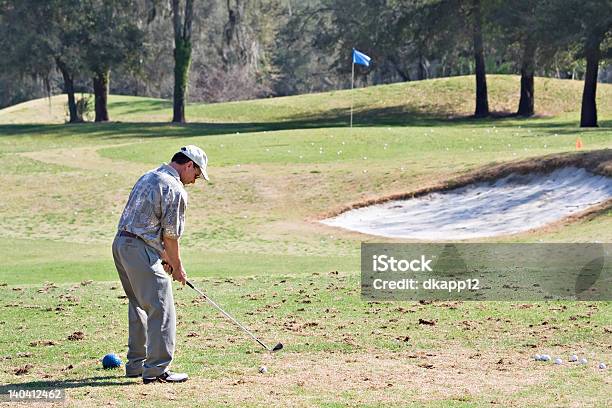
point(395, 104)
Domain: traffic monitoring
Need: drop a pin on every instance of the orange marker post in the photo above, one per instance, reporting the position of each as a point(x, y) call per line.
point(578, 144)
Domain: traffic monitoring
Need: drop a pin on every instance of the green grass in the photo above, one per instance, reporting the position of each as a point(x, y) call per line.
point(328, 332)
point(253, 242)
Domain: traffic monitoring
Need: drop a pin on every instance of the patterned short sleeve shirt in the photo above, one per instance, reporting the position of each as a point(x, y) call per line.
point(156, 207)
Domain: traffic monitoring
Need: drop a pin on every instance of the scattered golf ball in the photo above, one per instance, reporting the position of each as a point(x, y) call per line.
point(602, 366)
point(537, 357)
point(583, 361)
point(558, 361)
point(111, 361)
point(263, 369)
point(573, 358)
point(545, 357)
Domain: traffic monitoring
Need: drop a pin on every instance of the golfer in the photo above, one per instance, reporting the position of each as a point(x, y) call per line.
point(148, 233)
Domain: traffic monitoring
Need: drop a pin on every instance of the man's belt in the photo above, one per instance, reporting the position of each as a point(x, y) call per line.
point(128, 234)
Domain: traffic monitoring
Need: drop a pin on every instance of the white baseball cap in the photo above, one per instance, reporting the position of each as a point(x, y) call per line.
point(198, 156)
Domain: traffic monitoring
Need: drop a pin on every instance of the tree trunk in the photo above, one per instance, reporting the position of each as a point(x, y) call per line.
point(100, 85)
point(240, 45)
point(420, 69)
point(588, 113)
point(482, 101)
point(182, 60)
point(69, 89)
point(182, 57)
point(527, 101)
point(398, 68)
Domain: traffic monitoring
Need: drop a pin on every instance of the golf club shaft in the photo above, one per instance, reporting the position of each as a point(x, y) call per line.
point(227, 315)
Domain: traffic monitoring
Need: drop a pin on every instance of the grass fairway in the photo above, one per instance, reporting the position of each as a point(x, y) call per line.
point(254, 244)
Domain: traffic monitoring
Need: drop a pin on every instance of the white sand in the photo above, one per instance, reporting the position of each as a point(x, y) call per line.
point(508, 205)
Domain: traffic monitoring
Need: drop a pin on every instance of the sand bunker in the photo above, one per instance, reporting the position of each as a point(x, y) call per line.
point(508, 205)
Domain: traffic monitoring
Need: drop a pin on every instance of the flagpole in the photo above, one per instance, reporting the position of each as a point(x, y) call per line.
point(352, 80)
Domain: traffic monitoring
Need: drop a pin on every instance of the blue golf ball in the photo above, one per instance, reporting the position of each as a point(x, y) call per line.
point(111, 361)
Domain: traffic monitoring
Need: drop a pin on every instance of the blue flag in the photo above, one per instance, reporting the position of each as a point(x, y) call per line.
point(360, 58)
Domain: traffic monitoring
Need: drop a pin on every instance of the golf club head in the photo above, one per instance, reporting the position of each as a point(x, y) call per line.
point(277, 347)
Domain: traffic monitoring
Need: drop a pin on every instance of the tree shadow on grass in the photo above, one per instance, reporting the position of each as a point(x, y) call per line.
point(101, 381)
point(395, 116)
point(567, 126)
point(334, 118)
point(143, 106)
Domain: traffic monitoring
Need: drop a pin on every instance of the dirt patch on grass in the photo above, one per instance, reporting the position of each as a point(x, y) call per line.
point(85, 158)
point(76, 336)
point(23, 370)
point(42, 343)
point(375, 377)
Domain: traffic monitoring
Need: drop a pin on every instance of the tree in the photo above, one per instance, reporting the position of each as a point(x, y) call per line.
point(527, 100)
point(34, 48)
point(238, 67)
point(594, 37)
point(314, 45)
point(250, 49)
point(463, 22)
point(586, 29)
point(66, 45)
point(182, 19)
point(304, 64)
point(238, 45)
point(112, 37)
point(372, 26)
point(520, 24)
point(482, 99)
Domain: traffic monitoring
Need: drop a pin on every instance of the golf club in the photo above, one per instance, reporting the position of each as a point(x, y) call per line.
point(212, 302)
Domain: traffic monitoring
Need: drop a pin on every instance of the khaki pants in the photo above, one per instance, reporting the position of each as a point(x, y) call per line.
point(152, 318)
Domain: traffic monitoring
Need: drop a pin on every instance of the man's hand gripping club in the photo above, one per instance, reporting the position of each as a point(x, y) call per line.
point(171, 260)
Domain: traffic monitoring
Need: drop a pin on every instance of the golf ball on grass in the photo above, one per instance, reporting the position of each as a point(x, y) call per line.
point(537, 357)
point(111, 361)
point(602, 366)
point(583, 361)
point(544, 357)
point(558, 361)
point(573, 358)
point(263, 369)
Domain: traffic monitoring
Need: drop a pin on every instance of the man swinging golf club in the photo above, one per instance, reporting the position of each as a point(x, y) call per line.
point(145, 250)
